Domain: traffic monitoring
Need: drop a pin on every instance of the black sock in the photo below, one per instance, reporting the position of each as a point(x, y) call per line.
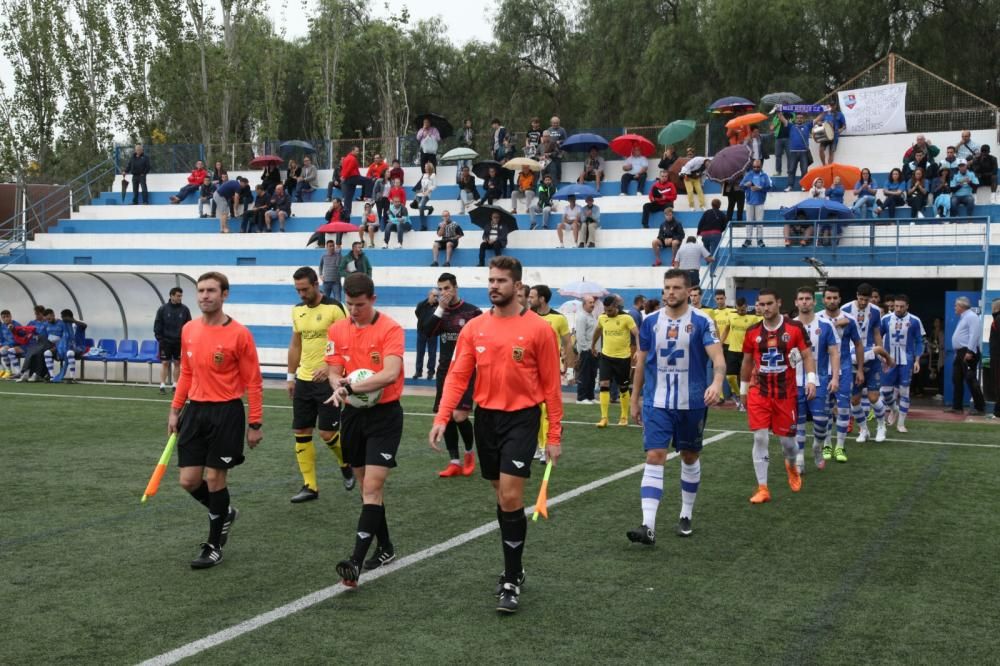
point(451, 439)
point(382, 533)
point(201, 494)
point(513, 529)
point(218, 511)
point(468, 438)
point(372, 517)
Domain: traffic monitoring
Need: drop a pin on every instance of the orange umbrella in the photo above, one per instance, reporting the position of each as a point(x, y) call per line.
point(748, 119)
point(848, 175)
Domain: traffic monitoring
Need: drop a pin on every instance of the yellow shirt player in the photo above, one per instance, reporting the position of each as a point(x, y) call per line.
point(720, 313)
point(538, 299)
point(732, 335)
point(619, 334)
point(308, 384)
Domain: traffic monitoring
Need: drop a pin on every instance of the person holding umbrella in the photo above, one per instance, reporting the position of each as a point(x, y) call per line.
point(270, 177)
point(494, 237)
point(634, 168)
point(524, 189)
point(429, 138)
point(692, 172)
point(492, 187)
point(593, 170)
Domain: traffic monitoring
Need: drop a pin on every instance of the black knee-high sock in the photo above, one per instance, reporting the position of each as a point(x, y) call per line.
point(451, 439)
point(382, 533)
point(201, 494)
point(218, 511)
point(468, 438)
point(372, 517)
point(513, 529)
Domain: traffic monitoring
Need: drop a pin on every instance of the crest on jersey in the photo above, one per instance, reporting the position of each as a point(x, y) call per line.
point(672, 332)
point(329, 348)
point(518, 354)
point(785, 337)
point(218, 358)
point(376, 358)
point(689, 328)
point(757, 340)
point(319, 316)
point(461, 322)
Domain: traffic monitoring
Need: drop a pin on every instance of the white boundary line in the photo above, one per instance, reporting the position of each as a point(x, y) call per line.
point(302, 603)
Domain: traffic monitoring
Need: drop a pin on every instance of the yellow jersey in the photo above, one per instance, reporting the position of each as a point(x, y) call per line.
point(311, 322)
point(616, 335)
point(720, 316)
point(738, 325)
point(559, 324)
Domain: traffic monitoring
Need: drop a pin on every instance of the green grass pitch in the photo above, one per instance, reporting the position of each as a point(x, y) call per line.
point(890, 558)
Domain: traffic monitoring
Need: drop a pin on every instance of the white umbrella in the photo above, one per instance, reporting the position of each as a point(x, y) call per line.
point(583, 288)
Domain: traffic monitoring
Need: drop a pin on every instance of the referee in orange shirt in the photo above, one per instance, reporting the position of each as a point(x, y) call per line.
point(369, 437)
point(218, 365)
point(515, 356)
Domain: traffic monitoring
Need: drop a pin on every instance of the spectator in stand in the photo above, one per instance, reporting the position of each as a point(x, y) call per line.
point(593, 170)
point(556, 135)
point(737, 135)
point(449, 233)
point(985, 168)
point(920, 160)
point(467, 192)
point(279, 208)
point(917, 193)
point(245, 208)
point(544, 204)
point(711, 226)
point(545, 152)
point(270, 178)
point(307, 181)
point(736, 198)
point(830, 231)
point(256, 222)
point(167, 325)
point(995, 348)
point(492, 187)
point(941, 191)
point(635, 167)
point(507, 175)
point(662, 195)
point(756, 144)
point(292, 176)
point(335, 213)
point(951, 159)
point(429, 138)
point(590, 220)
point(466, 139)
point(351, 178)
point(756, 184)
point(399, 222)
point(571, 220)
point(194, 183)
point(782, 131)
point(499, 134)
point(355, 261)
point(836, 190)
point(839, 123)
point(334, 179)
point(428, 182)
point(218, 171)
point(524, 189)
point(865, 191)
point(799, 232)
point(967, 149)
point(494, 238)
point(586, 369)
point(396, 173)
point(798, 148)
point(426, 343)
point(205, 197)
point(380, 193)
point(374, 173)
point(397, 191)
point(966, 340)
point(922, 145)
point(963, 186)
point(533, 139)
point(894, 193)
point(329, 270)
point(817, 191)
point(138, 167)
point(369, 224)
point(693, 172)
point(226, 198)
point(688, 258)
point(671, 234)
point(667, 159)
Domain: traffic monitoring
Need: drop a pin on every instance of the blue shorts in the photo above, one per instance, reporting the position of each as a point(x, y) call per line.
point(843, 396)
point(873, 374)
point(818, 404)
point(897, 376)
point(682, 427)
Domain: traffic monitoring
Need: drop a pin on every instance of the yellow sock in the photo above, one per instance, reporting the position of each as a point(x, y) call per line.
point(605, 403)
point(305, 454)
point(624, 403)
point(734, 386)
point(334, 444)
point(543, 428)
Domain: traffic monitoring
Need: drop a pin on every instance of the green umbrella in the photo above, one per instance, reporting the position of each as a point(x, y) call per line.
point(459, 154)
point(675, 132)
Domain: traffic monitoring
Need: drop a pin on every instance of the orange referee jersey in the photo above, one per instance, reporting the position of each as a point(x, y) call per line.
point(219, 364)
point(516, 360)
point(353, 347)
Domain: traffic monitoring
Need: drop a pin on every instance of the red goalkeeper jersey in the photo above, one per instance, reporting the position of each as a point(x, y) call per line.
point(773, 374)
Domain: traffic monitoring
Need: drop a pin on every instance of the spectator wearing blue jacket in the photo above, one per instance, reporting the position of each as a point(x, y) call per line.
point(71, 345)
point(865, 191)
point(798, 148)
point(839, 123)
point(8, 346)
point(756, 185)
point(963, 185)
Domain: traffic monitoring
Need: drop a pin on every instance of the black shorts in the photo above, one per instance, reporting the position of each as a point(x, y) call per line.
point(170, 350)
point(734, 361)
point(443, 244)
point(210, 434)
point(507, 441)
point(618, 369)
point(309, 409)
point(371, 436)
point(464, 403)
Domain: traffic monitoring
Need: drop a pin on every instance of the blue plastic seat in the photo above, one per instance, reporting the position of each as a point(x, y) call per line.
point(149, 352)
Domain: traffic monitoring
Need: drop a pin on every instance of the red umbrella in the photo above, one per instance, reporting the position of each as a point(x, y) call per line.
point(337, 228)
point(624, 144)
point(266, 160)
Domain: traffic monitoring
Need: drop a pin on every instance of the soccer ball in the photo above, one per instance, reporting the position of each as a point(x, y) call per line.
point(363, 400)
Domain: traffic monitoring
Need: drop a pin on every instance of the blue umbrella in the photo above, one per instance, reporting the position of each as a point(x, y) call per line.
point(574, 190)
point(730, 105)
point(819, 209)
point(304, 145)
point(583, 142)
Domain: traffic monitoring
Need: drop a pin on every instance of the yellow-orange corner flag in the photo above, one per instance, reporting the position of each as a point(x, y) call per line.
point(161, 468)
point(541, 504)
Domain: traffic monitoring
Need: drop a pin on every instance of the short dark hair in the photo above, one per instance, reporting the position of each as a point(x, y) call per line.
point(218, 277)
point(306, 272)
point(448, 277)
point(638, 299)
point(804, 290)
point(720, 292)
point(359, 284)
point(5, 312)
point(495, 121)
point(509, 264)
point(66, 313)
point(902, 297)
point(543, 291)
point(50, 311)
point(767, 291)
point(39, 309)
point(831, 289)
point(610, 299)
point(740, 301)
point(176, 290)
point(864, 289)
point(678, 273)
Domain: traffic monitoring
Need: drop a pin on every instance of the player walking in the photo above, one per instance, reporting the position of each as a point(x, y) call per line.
point(675, 345)
point(308, 382)
point(619, 333)
point(539, 297)
point(218, 365)
point(369, 437)
point(446, 322)
point(516, 360)
point(771, 350)
point(905, 333)
point(826, 351)
point(852, 356)
point(869, 317)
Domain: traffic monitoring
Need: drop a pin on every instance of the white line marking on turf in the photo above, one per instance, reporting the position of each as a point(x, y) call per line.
point(320, 596)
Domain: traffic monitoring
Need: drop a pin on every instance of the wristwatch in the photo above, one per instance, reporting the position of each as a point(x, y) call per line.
point(349, 389)
point(254, 426)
